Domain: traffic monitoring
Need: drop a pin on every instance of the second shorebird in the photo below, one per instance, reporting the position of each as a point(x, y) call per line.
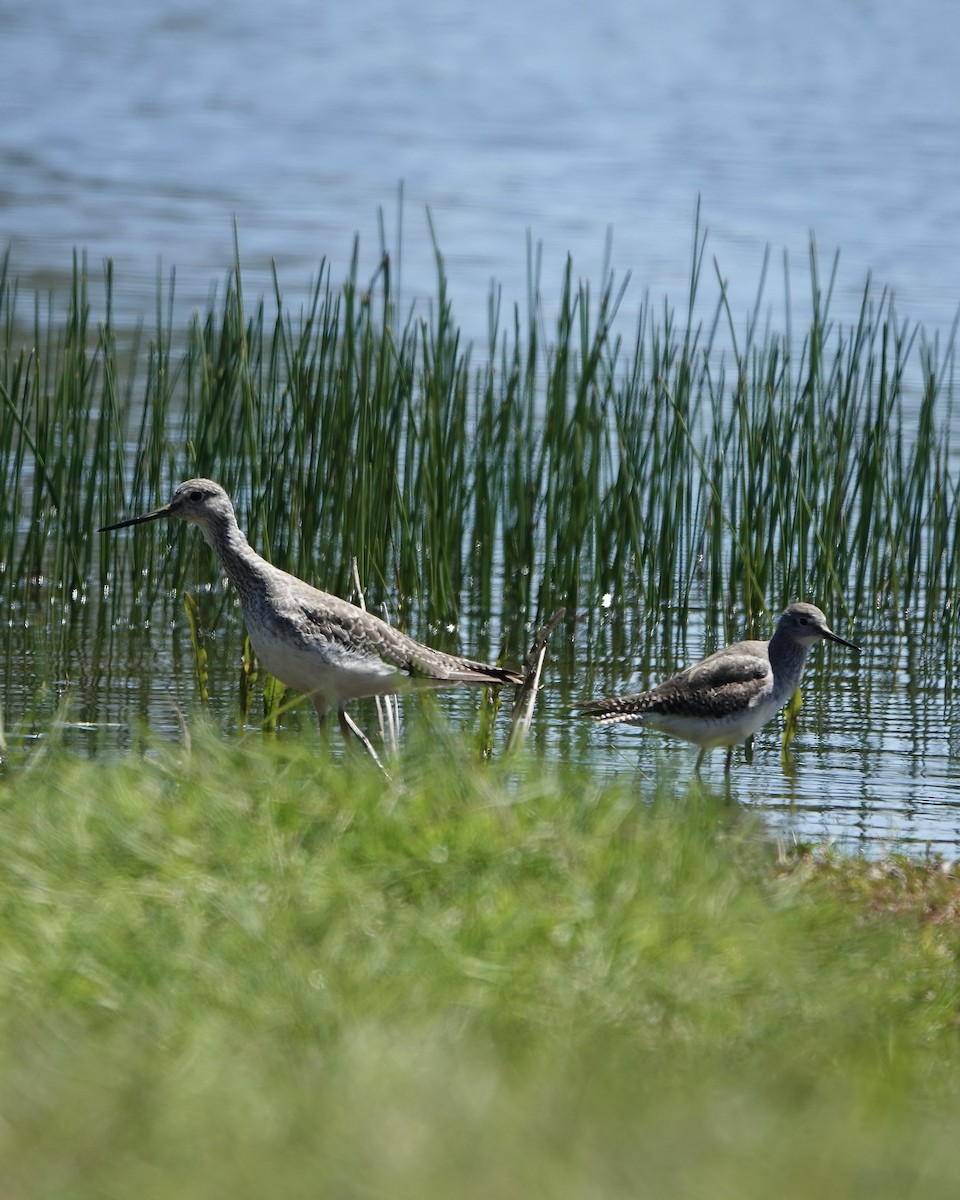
point(314, 642)
point(729, 695)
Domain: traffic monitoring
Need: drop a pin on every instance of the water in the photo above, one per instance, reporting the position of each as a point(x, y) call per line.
point(141, 133)
point(873, 764)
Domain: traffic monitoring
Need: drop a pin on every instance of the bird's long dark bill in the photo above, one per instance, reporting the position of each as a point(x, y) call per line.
point(153, 516)
point(835, 637)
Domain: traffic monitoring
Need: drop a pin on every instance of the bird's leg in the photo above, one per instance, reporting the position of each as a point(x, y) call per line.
point(348, 726)
point(729, 764)
point(700, 758)
point(320, 704)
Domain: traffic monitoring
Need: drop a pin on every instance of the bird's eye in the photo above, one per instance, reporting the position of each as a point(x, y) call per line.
point(196, 496)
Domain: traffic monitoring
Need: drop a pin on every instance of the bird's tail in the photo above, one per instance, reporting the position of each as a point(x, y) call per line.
point(467, 671)
point(610, 710)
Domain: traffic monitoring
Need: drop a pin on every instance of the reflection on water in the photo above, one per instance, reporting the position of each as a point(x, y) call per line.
point(873, 764)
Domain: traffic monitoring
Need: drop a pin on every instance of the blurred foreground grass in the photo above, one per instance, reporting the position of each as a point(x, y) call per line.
point(249, 969)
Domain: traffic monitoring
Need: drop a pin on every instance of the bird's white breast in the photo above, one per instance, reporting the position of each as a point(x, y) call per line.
point(325, 668)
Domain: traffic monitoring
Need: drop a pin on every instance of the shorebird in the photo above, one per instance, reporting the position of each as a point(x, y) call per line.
point(317, 644)
point(729, 695)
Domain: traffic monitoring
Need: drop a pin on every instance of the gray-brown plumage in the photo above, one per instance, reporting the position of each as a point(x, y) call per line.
point(314, 642)
point(729, 695)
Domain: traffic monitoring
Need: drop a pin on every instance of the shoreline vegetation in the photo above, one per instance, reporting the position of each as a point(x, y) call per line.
point(240, 965)
point(693, 464)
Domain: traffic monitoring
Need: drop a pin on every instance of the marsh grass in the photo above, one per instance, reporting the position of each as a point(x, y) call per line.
point(243, 968)
point(701, 464)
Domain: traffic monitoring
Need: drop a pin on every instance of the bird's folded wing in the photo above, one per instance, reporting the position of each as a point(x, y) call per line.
point(730, 667)
point(347, 631)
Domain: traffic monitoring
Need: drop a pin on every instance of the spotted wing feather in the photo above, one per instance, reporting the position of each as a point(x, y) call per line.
point(720, 685)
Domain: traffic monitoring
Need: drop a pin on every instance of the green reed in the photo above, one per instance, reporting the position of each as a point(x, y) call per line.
point(676, 463)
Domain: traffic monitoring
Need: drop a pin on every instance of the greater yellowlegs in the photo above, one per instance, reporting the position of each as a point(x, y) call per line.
point(314, 642)
point(729, 695)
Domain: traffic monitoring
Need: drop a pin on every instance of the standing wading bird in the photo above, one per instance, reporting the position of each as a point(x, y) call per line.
point(729, 695)
point(314, 642)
